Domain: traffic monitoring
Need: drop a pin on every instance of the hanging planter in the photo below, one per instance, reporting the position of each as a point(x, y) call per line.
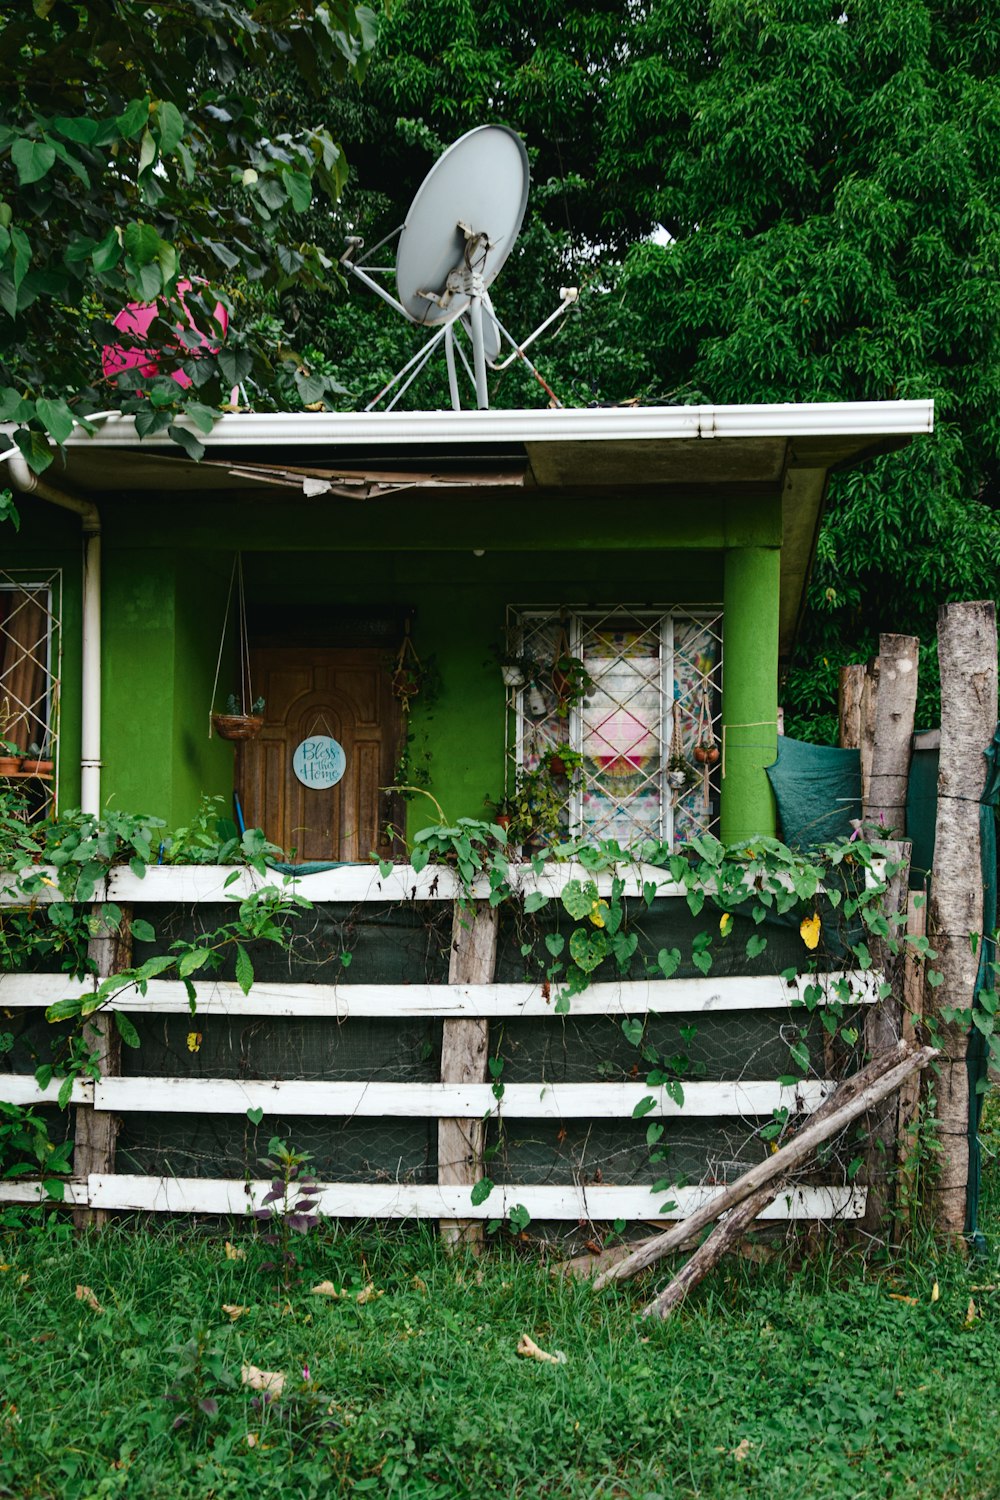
point(681, 774)
point(706, 750)
point(244, 715)
point(408, 672)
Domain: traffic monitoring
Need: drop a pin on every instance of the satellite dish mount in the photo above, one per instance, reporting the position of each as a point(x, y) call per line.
point(459, 231)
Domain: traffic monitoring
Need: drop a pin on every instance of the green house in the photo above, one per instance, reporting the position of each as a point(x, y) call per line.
point(434, 606)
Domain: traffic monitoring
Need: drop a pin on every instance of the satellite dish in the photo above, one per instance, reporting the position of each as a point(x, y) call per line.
point(463, 222)
point(459, 231)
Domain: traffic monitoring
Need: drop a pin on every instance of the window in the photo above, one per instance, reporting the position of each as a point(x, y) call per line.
point(29, 672)
point(638, 710)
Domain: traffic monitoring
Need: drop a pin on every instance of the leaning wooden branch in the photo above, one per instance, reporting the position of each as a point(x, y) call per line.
point(853, 1098)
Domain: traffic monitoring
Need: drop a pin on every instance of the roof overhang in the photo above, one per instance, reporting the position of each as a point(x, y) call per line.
point(666, 451)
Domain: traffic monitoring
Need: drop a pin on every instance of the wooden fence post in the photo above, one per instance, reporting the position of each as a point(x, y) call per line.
point(849, 695)
point(892, 732)
point(464, 1048)
point(96, 1129)
point(967, 652)
point(883, 1027)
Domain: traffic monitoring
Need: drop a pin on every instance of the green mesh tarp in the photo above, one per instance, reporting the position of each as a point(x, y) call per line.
point(818, 791)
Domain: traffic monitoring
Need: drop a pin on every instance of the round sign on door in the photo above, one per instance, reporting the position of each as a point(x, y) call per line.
point(319, 762)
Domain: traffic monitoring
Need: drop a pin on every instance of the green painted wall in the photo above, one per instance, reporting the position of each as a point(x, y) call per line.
point(749, 690)
point(167, 564)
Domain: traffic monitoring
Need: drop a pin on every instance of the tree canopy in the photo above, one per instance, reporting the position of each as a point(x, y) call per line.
point(827, 180)
point(135, 156)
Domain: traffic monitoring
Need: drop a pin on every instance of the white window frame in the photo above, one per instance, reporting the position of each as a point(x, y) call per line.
point(575, 618)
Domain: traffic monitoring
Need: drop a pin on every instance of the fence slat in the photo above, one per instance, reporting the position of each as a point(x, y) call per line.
point(391, 1200)
point(533, 1101)
point(339, 1002)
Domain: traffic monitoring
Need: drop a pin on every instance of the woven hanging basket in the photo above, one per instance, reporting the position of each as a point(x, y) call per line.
point(237, 726)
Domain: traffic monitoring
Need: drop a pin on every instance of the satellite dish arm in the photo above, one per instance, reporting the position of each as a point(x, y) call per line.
point(569, 295)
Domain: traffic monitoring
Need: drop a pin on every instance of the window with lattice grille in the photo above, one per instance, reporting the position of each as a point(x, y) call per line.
point(635, 698)
point(29, 675)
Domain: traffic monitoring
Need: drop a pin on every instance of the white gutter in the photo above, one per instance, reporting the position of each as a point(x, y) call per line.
point(585, 424)
point(90, 738)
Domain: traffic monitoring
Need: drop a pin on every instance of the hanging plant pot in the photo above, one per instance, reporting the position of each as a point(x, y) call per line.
point(706, 754)
point(557, 766)
point(512, 674)
point(237, 726)
point(33, 766)
point(406, 683)
point(9, 765)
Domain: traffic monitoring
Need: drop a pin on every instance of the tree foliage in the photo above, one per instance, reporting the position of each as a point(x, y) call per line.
point(134, 154)
point(828, 180)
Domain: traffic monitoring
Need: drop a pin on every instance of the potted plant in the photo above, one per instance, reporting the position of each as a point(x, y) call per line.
point(570, 682)
point(236, 723)
point(34, 762)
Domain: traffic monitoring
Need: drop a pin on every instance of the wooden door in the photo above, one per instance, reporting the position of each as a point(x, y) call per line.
point(345, 693)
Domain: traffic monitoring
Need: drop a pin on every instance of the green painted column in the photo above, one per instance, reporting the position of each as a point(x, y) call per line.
point(749, 690)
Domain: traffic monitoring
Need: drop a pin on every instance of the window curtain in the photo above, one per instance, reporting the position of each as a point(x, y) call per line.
point(24, 697)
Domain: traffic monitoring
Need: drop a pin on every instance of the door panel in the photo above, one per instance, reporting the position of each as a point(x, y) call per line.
point(344, 693)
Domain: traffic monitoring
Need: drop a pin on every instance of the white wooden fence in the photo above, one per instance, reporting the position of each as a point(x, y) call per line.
point(181, 885)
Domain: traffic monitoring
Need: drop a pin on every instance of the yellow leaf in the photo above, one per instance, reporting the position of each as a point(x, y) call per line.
point(270, 1381)
point(726, 923)
point(971, 1313)
point(193, 1041)
point(233, 1252)
point(367, 1294)
point(742, 1450)
point(935, 1292)
point(325, 1289)
point(598, 913)
point(528, 1349)
point(234, 1310)
point(84, 1294)
point(809, 930)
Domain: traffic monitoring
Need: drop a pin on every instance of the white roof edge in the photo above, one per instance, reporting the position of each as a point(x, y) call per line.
point(583, 424)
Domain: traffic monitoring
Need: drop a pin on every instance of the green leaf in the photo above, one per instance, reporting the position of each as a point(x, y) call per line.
point(632, 1030)
point(192, 960)
point(299, 190)
point(255, 1116)
point(32, 159)
point(56, 417)
point(108, 253)
point(65, 1091)
point(244, 969)
point(669, 961)
point(555, 942)
point(234, 365)
point(756, 943)
point(534, 901)
point(55, 1188)
point(481, 1191)
point(80, 128)
point(65, 1010)
point(643, 1107)
point(133, 117)
point(126, 1030)
point(37, 453)
point(142, 243)
point(170, 123)
point(587, 950)
point(578, 899)
point(142, 931)
point(187, 441)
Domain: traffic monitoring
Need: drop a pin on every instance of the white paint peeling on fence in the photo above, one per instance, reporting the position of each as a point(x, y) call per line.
point(399, 1200)
point(524, 1101)
point(341, 1002)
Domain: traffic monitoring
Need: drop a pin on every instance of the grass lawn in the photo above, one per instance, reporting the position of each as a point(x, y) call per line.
point(806, 1380)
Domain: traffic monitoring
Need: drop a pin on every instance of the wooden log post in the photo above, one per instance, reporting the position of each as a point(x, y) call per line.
point(895, 702)
point(883, 1027)
point(464, 1048)
point(909, 1094)
point(96, 1129)
point(967, 653)
point(849, 697)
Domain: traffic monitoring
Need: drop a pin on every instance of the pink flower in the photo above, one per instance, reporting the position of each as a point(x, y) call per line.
point(305, 1373)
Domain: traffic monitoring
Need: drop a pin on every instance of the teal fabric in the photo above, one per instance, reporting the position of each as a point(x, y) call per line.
point(818, 791)
point(978, 1055)
point(313, 867)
